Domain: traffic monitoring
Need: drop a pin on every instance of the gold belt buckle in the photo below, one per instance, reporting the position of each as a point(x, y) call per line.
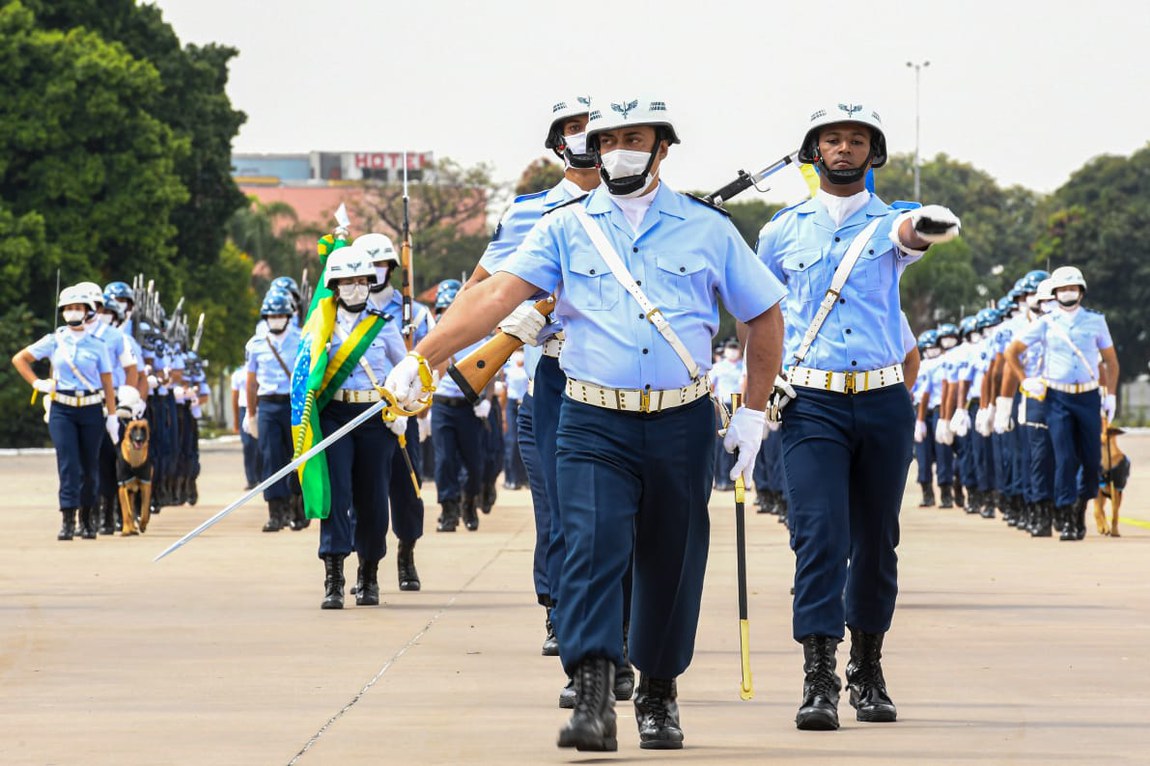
point(644, 400)
point(849, 383)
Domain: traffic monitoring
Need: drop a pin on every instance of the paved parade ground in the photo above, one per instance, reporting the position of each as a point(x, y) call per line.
point(1005, 649)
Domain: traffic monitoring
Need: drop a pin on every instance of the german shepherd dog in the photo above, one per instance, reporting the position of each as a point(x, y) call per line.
point(134, 474)
point(1115, 473)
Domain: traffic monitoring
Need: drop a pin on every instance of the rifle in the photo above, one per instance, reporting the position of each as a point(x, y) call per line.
point(475, 371)
point(199, 335)
point(304, 297)
point(408, 326)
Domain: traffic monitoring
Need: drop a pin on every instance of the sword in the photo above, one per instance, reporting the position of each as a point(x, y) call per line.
point(315, 450)
point(410, 465)
point(746, 686)
point(746, 180)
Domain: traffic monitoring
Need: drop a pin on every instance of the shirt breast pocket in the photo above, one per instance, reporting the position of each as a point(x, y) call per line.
point(679, 280)
point(875, 270)
point(802, 272)
point(590, 285)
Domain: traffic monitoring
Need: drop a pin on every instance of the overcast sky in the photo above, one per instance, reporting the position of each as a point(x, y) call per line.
point(1025, 90)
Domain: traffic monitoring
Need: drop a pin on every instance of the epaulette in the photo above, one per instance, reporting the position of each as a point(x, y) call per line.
point(787, 209)
point(902, 204)
point(709, 204)
point(532, 195)
point(572, 201)
point(1091, 311)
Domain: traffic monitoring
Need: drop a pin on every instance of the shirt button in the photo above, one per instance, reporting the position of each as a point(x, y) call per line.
point(800, 265)
point(854, 364)
point(634, 250)
point(644, 351)
point(638, 281)
point(592, 271)
point(871, 252)
point(640, 316)
point(842, 300)
point(682, 269)
point(848, 331)
point(837, 239)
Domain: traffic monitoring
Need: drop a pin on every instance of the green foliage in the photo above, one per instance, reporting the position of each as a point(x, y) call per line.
point(942, 287)
point(541, 174)
point(1098, 221)
point(269, 235)
point(223, 293)
point(22, 424)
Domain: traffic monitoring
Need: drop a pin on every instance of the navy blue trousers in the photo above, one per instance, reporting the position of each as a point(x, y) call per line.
point(924, 450)
point(534, 470)
point(76, 434)
point(943, 453)
point(633, 483)
point(1075, 422)
point(276, 445)
point(724, 461)
point(845, 459)
point(550, 382)
point(253, 470)
point(1019, 454)
point(982, 454)
point(406, 505)
point(493, 444)
point(359, 467)
point(458, 439)
point(514, 472)
point(1041, 451)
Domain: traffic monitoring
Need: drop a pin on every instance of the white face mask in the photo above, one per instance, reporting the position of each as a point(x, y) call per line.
point(948, 343)
point(577, 143)
point(1047, 306)
point(932, 352)
point(731, 354)
point(104, 318)
point(1032, 302)
point(380, 279)
point(1069, 297)
point(623, 163)
point(353, 295)
point(277, 324)
point(73, 317)
point(974, 337)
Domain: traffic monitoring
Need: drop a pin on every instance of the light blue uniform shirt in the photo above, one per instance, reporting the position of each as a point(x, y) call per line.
point(957, 363)
point(270, 374)
point(981, 357)
point(240, 384)
point(1086, 329)
point(803, 247)
point(447, 385)
point(909, 342)
point(385, 351)
point(117, 344)
point(929, 383)
point(393, 307)
point(514, 227)
point(68, 349)
point(682, 256)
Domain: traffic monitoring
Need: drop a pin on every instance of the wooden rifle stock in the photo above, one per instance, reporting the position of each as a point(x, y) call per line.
point(475, 371)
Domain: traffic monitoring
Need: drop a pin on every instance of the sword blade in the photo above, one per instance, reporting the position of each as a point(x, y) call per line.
point(315, 450)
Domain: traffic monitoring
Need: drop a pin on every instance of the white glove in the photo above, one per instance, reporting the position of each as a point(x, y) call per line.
point(1036, 387)
point(483, 409)
point(783, 394)
point(153, 382)
point(404, 381)
point(197, 411)
point(744, 437)
point(920, 431)
point(397, 426)
point(499, 387)
point(935, 223)
point(424, 428)
point(251, 425)
point(1002, 420)
point(178, 394)
point(525, 323)
point(44, 385)
point(1110, 406)
point(960, 422)
point(112, 426)
point(984, 420)
point(772, 426)
point(942, 433)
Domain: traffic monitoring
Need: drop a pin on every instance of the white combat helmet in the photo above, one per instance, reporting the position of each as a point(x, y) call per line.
point(562, 111)
point(607, 114)
point(1045, 292)
point(838, 113)
point(77, 294)
point(1067, 276)
point(349, 261)
point(94, 290)
point(377, 247)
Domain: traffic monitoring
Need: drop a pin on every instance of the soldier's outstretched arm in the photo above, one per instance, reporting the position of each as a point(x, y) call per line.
point(474, 314)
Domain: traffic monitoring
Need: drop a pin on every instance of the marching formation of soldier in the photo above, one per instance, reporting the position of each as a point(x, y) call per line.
point(601, 296)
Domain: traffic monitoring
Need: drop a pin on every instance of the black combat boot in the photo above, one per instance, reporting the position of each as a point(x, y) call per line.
point(448, 516)
point(487, 495)
point(298, 520)
point(109, 509)
point(1042, 527)
point(973, 501)
point(1080, 518)
point(467, 508)
point(959, 496)
point(68, 526)
point(87, 523)
point(762, 500)
point(945, 498)
point(657, 714)
point(193, 492)
point(927, 494)
point(1065, 515)
point(592, 726)
point(275, 516)
point(551, 642)
point(625, 674)
point(405, 566)
point(567, 695)
point(333, 581)
point(784, 517)
point(819, 709)
point(368, 593)
point(865, 681)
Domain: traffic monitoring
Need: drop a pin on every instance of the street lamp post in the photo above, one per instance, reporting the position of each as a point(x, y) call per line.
point(917, 75)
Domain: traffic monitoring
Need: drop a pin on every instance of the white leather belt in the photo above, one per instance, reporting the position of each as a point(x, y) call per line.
point(356, 397)
point(846, 382)
point(78, 401)
point(553, 345)
point(1074, 388)
point(637, 399)
point(531, 387)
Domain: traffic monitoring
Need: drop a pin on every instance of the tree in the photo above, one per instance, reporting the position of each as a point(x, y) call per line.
point(268, 233)
point(224, 294)
point(541, 174)
point(1097, 221)
point(448, 218)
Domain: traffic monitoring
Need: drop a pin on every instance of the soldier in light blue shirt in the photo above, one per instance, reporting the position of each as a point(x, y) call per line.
point(81, 392)
point(1076, 341)
point(636, 427)
point(847, 436)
